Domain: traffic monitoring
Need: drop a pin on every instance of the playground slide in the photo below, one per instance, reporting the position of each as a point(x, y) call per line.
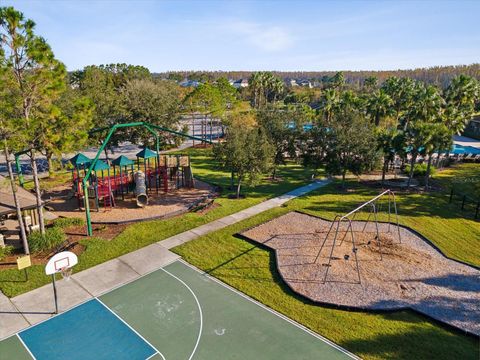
point(141, 189)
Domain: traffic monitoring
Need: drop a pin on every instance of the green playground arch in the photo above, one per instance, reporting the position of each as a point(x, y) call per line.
point(153, 129)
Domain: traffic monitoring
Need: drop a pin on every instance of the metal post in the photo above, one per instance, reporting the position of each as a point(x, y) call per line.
point(55, 294)
point(463, 201)
point(19, 170)
point(451, 196)
point(378, 234)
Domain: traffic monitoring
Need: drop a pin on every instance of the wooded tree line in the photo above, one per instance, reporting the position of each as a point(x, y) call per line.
point(435, 75)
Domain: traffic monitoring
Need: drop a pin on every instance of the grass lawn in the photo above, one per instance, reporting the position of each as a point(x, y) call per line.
point(463, 177)
point(142, 234)
point(400, 335)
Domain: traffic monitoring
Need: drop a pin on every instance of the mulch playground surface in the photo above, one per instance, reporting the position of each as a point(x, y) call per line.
point(393, 275)
point(159, 205)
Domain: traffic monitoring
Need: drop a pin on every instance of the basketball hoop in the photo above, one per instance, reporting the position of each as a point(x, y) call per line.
point(66, 272)
point(60, 263)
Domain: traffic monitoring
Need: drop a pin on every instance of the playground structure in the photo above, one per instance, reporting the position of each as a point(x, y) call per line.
point(149, 174)
point(169, 171)
point(386, 200)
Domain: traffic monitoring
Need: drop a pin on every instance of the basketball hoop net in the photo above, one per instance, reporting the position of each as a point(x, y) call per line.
point(66, 272)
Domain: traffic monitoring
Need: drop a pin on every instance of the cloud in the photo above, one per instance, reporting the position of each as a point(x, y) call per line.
point(264, 37)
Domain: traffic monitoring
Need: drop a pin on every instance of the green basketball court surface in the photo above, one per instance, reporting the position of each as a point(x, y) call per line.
point(174, 313)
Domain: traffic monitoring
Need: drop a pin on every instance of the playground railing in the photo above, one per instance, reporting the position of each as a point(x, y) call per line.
point(466, 202)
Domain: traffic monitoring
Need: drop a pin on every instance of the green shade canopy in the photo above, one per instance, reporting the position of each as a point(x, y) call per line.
point(80, 159)
point(122, 160)
point(101, 165)
point(146, 153)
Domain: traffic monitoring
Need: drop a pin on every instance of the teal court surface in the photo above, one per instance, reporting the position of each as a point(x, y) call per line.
point(174, 313)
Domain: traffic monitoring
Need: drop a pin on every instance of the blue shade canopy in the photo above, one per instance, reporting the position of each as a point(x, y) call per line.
point(122, 160)
point(101, 165)
point(146, 153)
point(460, 149)
point(80, 159)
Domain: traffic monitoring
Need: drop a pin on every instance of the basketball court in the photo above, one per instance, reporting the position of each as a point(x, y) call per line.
point(173, 313)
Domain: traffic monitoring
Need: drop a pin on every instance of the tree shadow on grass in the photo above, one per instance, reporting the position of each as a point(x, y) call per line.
point(400, 345)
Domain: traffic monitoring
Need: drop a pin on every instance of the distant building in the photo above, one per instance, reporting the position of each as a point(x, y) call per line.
point(293, 82)
point(189, 83)
point(473, 128)
point(242, 83)
point(305, 83)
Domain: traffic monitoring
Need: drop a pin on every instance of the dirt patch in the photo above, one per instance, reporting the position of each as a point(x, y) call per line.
point(393, 275)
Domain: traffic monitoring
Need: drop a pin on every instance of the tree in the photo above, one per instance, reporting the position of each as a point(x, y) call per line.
point(389, 142)
point(104, 84)
point(39, 80)
point(314, 147)
point(277, 125)
point(378, 106)
point(67, 125)
point(401, 91)
point(8, 135)
point(440, 138)
point(370, 83)
point(155, 102)
point(245, 152)
point(460, 98)
point(350, 145)
point(265, 88)
point(329, 103)
point(337, 81)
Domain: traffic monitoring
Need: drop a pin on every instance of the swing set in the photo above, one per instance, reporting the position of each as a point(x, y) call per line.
point(374, 207)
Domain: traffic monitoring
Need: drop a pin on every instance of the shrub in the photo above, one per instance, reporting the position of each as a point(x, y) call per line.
point(420, 170)
point(63, 223)
point(54, 236)
point(5, 251)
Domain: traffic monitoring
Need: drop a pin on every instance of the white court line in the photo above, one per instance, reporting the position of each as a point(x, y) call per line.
point(26, 347)
point(300, 326)
point(131, 328)
point(199, 308)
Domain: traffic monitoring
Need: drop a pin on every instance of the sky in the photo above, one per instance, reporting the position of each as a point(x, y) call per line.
point(259, 35)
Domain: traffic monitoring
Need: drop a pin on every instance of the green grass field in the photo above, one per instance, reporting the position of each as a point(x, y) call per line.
point(400, 335)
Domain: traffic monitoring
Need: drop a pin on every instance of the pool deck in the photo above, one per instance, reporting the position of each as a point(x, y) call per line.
point(466, 141)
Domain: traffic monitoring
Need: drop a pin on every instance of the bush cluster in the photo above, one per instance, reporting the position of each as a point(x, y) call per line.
point(5, 251)
point(54, 236)
point(63, 223)
point(420, 170)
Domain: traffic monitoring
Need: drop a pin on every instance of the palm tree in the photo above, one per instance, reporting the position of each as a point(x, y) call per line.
point(440, 139)
point(401, 92)
point(461, 96)
point(379, 105)
point(329, 103)
point(389, 141)
point(427, 106)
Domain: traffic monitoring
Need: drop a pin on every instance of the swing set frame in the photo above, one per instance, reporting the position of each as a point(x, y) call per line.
point(349, 218)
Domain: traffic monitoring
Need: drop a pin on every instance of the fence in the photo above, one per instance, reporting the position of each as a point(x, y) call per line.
point(467, 202)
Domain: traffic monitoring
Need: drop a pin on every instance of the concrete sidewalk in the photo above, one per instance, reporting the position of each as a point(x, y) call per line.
point(37, 305)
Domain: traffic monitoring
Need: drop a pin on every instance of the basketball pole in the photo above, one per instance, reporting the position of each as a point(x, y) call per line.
point(55, 293)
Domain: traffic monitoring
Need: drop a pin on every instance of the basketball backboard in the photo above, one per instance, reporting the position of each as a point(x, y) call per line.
point(62, 260)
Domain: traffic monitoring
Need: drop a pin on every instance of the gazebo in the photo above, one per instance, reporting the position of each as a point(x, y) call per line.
point(122, 162)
